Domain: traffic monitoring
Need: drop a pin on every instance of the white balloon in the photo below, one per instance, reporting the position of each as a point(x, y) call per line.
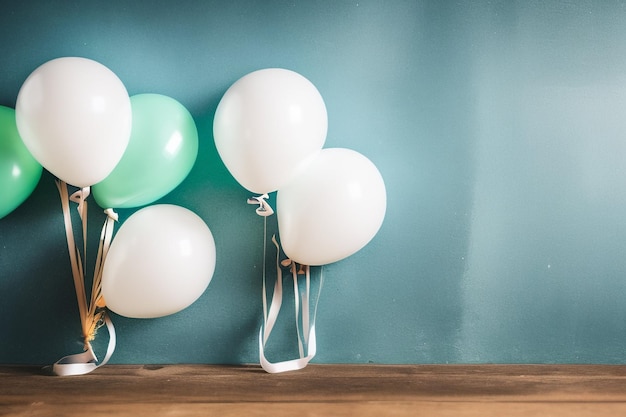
point(74, 117)
point(332, 209)
point(161, 261)
point(267, 125)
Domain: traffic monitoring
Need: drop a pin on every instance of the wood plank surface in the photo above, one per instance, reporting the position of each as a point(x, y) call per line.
point(319, 390)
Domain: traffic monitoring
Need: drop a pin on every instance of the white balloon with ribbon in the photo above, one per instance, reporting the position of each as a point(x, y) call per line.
point(327, 212)
point(74, 116)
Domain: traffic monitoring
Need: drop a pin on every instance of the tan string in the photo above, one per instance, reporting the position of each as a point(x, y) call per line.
point(91, 313)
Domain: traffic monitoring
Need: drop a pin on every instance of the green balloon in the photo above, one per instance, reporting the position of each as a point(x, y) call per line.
point(19, 171)
point(162, 149)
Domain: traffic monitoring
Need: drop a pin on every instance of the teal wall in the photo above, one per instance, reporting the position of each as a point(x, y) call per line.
point(499, 128)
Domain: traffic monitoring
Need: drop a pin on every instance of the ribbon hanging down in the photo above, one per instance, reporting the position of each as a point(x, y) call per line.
point(307, 344)
point(92, 314)
point(86, 362)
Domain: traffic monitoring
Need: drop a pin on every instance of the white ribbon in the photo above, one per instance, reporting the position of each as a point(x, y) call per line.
point(306, 339)
point(307, 342)
point(92, 314)
point(86, 362)
point(264, 208)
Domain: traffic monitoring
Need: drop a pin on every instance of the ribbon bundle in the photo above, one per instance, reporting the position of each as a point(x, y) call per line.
point(305, 324)
point(93, 315)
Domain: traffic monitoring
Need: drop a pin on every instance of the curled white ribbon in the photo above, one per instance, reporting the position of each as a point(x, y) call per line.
point(264, 208)
point(86, 362)
point(92, 314)
point(307, 341)
point(80, 197)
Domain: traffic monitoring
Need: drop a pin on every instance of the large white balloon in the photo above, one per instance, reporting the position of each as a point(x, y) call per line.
point(332, 209)
point(74, 117)
point(267, 125)
point(161, 261)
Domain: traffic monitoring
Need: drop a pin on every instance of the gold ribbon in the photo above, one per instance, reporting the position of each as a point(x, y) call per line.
point(92, 312)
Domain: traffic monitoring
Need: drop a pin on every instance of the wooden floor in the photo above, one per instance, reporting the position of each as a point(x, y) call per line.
point(319, 390)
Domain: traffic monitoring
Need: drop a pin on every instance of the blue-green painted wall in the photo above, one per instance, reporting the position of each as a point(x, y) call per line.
point(500, 130)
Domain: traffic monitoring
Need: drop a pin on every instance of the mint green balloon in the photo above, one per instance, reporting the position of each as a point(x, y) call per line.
point(162, 149)
point(19, 171)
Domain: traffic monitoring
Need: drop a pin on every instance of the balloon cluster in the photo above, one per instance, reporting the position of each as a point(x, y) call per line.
point(76, 119)
point(270, 127)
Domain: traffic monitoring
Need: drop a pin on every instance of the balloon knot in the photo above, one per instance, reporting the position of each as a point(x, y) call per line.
point(111, 214)
point(299, 269)
point(264, 208)
point(97, 321)
point(80, 197)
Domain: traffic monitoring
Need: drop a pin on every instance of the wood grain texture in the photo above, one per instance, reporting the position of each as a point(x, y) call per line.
point(319, 390)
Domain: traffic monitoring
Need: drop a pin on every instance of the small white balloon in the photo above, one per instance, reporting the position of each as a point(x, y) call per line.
point(332, 209)
point(161, 261)
point(74, 116)
point(267, 125)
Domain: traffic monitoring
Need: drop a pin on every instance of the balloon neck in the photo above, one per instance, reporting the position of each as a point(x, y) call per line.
point(96, 321)
point(264, 209)
point(80, 197)
point(298, 269)
point(111, 214)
